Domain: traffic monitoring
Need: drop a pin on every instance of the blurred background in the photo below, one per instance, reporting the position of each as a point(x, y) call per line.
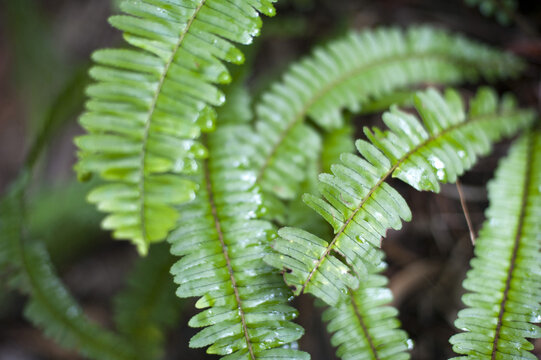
point(44, 57)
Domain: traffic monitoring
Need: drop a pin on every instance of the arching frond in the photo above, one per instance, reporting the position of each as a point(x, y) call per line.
point(335, 143)
point(50, 306)
point(361, 206)
point(148, 305)
point(222, 244)
point(364, 326)
point(504, 284)
point(349, 72)
point(150, 104)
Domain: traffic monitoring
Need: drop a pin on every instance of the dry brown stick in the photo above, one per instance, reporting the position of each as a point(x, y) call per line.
point(466, 212)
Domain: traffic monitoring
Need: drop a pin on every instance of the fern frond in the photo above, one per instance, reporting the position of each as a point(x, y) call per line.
point(148, 305)
point(504, 283)
point(50, 306)
point(364, 326)
point(150, 104)
point(335, 143)
point(361, 206)
point(222, 245)
point(348, 73)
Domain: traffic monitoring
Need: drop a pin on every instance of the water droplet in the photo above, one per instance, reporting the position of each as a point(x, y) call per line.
point(409, 344)
point(220, 99)
point(224, 78)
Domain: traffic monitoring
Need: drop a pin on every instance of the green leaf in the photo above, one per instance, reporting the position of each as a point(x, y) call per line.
point(50, 306)
point(148, 305)
point(361, 206)
point(364, 326)
point(221, 243)
point(350, 73)
point(504, 284)
point(150, 104)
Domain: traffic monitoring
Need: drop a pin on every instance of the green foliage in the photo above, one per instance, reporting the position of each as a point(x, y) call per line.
point(213, 195)
point(335, 143)
point(504, 284)
point(222, 244)
point(27, 263)
point(364, 326)
point(50, 307)
point(148, 305)
point(347, 74)
point(150, 104)
point(361, 206)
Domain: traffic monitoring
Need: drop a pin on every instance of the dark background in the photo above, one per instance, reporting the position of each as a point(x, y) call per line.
point(44, 51)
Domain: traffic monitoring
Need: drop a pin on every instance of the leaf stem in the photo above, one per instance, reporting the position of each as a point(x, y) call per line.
point(225, 252)
point(150, 114)
point(465, 211)
point(516, 246)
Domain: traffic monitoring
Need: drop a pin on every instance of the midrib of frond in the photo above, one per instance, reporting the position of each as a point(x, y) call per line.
point(517, 242)
point(383, 178)
point(37, 293)
point(301, 115)
point(150, 114)
point(225, 252)
point(373, 350)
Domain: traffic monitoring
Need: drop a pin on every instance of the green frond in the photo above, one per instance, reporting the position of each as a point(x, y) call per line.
point(364, 326)
point(502, 10)
point(361, 206)
point(150, 104)
point(347, 74)
point(335, 143)
point(222, 244)
point(148, 305)
point(50, 306)
point(504, 284)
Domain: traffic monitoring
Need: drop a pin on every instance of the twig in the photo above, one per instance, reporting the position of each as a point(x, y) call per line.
point(466, 212)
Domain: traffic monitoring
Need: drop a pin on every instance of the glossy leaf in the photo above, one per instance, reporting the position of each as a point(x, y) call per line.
point(361, 206)
point(150, 104)
point(504, 284)
point(364, 326)
point(350, 73)
point(222, 244)
point(335, 142)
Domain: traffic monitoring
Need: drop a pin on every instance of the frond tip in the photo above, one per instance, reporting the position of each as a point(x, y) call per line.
point(149, 105)
point(361, 206)
point(504, 283)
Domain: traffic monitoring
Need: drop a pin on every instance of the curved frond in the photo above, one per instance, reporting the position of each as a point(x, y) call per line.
point(50, 306)
point(222, 244)
point(150, 104)
point(361, 206)
point(335, 143)
point(504, 284)
point(364, 326)
point(348, 73)
point(148, 305)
